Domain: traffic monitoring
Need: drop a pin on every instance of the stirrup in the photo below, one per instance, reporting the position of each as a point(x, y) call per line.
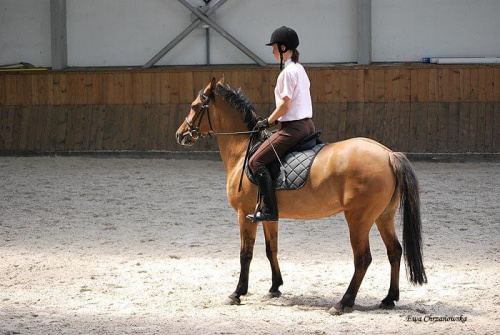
point(251, 217)
point(258, 217)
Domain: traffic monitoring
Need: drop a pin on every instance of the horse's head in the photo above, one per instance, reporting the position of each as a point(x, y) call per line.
point(206, 116)
point(198, 122)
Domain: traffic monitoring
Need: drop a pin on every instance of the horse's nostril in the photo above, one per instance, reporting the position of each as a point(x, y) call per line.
point(184, 138)
point(181, 137)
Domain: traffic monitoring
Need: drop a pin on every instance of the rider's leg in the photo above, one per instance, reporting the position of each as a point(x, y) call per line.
point(268, 212)
point(276, 145)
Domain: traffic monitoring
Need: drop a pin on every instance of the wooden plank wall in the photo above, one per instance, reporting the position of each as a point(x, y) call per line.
point(410, 108)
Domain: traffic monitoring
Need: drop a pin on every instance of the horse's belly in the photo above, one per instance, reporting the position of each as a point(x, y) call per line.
point(308, 204)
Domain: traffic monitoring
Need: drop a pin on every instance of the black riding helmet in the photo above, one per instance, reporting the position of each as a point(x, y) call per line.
point(284, 36)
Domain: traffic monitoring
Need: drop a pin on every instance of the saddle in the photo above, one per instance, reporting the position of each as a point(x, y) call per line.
point(296, 163)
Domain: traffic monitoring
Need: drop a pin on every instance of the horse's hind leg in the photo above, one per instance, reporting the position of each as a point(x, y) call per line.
point(385, 224)
point(248, 232)
point(271, 234)
point(359, 230)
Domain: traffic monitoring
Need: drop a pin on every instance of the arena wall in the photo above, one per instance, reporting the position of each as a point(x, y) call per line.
point(412, 108)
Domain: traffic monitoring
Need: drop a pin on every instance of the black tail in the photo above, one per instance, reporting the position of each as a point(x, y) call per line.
point(412, 224)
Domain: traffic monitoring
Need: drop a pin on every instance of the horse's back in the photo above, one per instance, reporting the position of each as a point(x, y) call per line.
point(353, 155)
point(357, 169)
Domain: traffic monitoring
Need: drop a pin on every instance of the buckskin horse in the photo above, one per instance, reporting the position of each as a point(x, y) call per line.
point(359, 176)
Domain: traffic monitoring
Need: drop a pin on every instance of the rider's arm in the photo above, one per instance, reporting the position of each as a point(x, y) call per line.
point(280, 110)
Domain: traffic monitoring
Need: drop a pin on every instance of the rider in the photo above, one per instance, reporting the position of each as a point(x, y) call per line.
point(293, 110)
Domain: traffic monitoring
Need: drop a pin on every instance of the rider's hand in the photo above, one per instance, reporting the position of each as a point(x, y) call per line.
point(262, 124)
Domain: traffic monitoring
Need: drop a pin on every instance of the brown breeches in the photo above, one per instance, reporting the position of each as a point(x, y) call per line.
point(291, 133)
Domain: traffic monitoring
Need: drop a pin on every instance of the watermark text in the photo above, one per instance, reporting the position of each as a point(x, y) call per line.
point(435, 318)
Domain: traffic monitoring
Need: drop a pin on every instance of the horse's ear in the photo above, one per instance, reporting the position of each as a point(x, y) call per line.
point(221, 81)
point(210, 87)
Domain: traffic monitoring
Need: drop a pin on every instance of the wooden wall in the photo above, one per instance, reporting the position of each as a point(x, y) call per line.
point(411, 108)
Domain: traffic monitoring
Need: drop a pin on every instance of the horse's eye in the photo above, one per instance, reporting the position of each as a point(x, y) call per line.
point(195, 108)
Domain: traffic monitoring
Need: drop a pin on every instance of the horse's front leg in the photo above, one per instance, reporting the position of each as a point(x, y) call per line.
point(271, 234)
point(248, 232)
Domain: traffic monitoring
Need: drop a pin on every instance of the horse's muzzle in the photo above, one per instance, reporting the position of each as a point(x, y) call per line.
point(185, 139)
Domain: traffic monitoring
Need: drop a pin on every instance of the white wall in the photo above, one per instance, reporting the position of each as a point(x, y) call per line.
point(326, 28)
point(130, 32)
point(25, 32)
point(407, 30)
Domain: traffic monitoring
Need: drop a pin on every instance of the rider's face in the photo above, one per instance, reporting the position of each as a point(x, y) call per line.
point(276, 52)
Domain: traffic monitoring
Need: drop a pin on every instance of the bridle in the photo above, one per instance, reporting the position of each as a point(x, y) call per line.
point(194, 130)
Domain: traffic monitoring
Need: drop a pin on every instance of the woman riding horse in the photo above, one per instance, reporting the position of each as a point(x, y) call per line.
point(293, 110)
point(359, 176)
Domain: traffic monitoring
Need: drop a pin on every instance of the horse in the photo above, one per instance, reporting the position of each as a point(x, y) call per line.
point(359, 177)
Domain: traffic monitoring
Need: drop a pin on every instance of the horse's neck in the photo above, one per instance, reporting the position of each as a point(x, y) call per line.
point(232, 147)
point(232, 150)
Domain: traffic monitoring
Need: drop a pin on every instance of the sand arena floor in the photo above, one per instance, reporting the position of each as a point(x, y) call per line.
point(151, 246)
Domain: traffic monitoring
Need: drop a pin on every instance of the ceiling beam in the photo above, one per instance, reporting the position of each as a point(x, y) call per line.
point(195, 24)
point(202, 16)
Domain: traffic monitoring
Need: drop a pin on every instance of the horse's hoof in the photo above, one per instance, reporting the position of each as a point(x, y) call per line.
point(275, 294)
point(233, 300)
point(339, 309)
point(387, 305)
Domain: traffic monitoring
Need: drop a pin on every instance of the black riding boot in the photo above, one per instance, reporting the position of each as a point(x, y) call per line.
point(269, 212)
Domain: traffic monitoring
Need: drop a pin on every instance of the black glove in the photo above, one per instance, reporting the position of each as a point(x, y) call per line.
point(262, 124)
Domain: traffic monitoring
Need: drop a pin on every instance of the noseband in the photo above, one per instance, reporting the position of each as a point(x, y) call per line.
point(194, 130)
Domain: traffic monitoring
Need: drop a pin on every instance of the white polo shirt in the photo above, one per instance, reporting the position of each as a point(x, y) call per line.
point(293, 82)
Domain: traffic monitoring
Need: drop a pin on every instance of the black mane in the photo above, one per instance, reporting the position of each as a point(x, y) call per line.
point(237, 100)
